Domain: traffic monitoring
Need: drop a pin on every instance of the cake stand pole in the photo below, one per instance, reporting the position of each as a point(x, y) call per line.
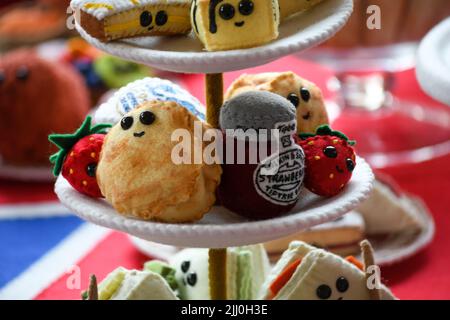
point(217, 257)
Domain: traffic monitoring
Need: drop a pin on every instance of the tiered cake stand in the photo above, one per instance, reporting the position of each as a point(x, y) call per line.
point(221, 228)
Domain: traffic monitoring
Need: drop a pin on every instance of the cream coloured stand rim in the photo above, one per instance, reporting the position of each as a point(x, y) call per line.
point(221, 228)
point(185, 53)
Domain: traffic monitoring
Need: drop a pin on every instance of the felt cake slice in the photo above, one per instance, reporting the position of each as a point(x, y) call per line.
point(235, 24)
point(109, 20)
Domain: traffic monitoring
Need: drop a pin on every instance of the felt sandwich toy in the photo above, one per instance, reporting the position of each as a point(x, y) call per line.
point(306, 273)
point(235, 24)
point(109, 20)
point(123, 284)
point(246, 270)
point(258, 184)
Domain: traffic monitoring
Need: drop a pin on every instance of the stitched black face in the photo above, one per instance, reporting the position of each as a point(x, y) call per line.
point(227, 11)
point(161, 18)
point(126, 123)
point(146, 118)
point(22, 73)
point(324, 291)
point(189, 278)
point(146, 19)
point(330, 152)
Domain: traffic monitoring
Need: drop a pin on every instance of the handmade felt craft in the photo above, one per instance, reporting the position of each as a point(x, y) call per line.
point(235, 24)
point(138, 175)
point(289, 8)
point(109, 20)
point(306, 273)
point(30, 22)
point(123, 284)
point(149, 89)
point(303, 94)
point(247, 187)
point(78, 156)
point(37, 98)
point(246, 270)
point(341, 236)
point(330, 161)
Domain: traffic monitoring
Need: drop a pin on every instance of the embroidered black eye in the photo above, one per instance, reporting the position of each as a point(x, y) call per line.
point(246, 7)
point(146, 18)
point(126, 123)
point(305, 94)
point(330, 152)
point(2, 76)
point(227, 11)
point(294, 99)
point(91, 169)
point(22, 73)
point(192, 279)
point(147, 117)
point(307, 116)
point(350, 164)
point(342, 284)
point(161, 18)
point(323, 292)
point(185, 265)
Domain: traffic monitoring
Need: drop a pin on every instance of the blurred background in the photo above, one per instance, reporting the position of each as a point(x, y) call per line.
point(50, 79)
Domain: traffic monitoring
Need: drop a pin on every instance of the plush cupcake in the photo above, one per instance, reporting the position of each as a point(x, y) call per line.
point(37, 98)
point(262, 173)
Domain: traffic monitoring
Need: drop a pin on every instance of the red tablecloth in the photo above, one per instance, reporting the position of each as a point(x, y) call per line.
point(424, 276)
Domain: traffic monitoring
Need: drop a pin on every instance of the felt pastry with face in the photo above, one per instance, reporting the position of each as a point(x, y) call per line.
point(306, 273)
point(138, 175)
point(109, 20)
point(303, 94)
point(235, 24)
point(247, 268)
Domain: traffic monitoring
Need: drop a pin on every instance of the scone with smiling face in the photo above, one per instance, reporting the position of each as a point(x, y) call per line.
point(303, 94)
point(109, 20)
point(235, 24)
point(136, 172)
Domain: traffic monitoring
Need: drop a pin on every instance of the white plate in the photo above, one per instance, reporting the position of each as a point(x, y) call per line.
point(388, 250)
point(433, 65)
point(186, 54)
point(221, 228)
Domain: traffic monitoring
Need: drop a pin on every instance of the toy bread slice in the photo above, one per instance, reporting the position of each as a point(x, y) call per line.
point(289, 8)
point(109, 20)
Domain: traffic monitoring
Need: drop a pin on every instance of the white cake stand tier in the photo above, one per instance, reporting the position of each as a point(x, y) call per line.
point(221, 228)
point(186, 54)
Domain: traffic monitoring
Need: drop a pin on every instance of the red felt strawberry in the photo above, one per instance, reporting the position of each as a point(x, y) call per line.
point(78, 157)
point(330, 161)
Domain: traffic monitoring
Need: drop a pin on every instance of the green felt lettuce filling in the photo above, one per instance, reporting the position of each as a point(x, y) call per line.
point(244, 276)
point(65, 142)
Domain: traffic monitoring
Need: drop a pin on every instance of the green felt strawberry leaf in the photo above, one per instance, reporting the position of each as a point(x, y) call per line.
point(325, 130)
point(65, 142)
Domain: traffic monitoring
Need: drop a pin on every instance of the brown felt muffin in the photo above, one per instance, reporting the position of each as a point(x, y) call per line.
point(37, 97)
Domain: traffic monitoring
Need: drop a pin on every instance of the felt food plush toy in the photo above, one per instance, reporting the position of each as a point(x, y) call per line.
point(303, 94)
point(78, 157)
point(123, 284)
point(137, 173)
point(37, 98)
point(306, 273)
point(136, 93)
point(330, 161)
point(289, 8)
point(235, 24)
point(247, 268)
point(109, 20)
point(247, 187)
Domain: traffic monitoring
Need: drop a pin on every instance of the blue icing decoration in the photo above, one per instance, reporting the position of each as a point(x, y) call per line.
point(125, 105)
point(133, 99)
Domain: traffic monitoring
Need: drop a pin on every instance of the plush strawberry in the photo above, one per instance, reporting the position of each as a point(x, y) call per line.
point(78, 157)
point(330, 161)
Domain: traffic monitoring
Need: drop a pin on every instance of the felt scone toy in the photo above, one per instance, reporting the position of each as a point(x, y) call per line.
point(37, 97)
point(247, 268)
point(330, 161)
point(306, 273)
point(289, 8)
point(123, 284)
point(138, 175)
point(248, 187)
point(235, 24)
point(148, 89)
point(303, 94)
point(109, 20)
